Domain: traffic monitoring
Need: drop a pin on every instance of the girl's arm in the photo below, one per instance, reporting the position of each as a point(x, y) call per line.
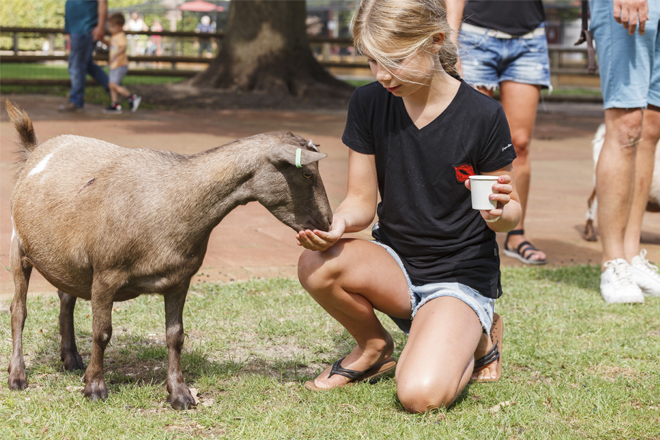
point(508, 212)
point(358, 209)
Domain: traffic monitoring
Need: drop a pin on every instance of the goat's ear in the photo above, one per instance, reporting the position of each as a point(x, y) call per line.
point(297, 156)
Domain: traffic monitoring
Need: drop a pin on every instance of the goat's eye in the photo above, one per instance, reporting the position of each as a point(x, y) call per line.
point(306, 175)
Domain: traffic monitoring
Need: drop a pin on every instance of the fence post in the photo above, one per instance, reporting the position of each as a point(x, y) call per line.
point(15, 43)
point(174, 51)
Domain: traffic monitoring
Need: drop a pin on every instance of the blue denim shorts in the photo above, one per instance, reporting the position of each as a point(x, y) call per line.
point(488, 61)
point(629, 65)
point(419, 295)
point(117, 75)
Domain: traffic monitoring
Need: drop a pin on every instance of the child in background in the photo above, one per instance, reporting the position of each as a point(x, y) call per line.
point(414, 136)
point(119, 67)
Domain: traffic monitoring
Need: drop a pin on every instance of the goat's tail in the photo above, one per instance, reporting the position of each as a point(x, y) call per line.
point(23, 125)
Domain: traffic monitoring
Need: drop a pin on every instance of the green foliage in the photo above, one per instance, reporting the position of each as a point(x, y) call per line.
point(46, 13)
point(573, 368)
point(32, 13)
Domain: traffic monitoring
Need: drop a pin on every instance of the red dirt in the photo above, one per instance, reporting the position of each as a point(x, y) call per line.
point(251, 243)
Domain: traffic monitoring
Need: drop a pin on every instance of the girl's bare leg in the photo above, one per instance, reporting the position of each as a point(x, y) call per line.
point(353, 278)
point(437, 361)
point(349, 281)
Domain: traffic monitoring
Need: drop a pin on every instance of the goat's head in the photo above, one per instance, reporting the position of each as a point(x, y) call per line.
point(290, 185)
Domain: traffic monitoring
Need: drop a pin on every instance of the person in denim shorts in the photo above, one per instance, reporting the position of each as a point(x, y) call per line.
point(414, 136)
point(503, 44)
point(628, 46)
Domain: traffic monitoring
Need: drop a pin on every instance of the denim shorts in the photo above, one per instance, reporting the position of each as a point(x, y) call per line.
point(488, 61)
point(629, 65)
point(117, 75)
point(419, 295)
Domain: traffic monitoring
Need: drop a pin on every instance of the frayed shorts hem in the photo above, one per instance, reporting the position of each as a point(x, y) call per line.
point(420, 295)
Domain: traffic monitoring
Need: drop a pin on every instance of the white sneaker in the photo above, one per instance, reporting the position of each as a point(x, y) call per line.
point(617, 285)
point(645, 274)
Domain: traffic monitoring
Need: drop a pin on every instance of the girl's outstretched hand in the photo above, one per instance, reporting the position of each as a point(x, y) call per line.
point(501, 194)
point(320, 240)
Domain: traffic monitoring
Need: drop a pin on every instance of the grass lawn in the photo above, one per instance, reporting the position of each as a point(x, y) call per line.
point(93, 94)
point(573, 368)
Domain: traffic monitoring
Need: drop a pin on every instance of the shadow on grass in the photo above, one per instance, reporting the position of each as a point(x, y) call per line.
point(582, 277)
point(138, 360)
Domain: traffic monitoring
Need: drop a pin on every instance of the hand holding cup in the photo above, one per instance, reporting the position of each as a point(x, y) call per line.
point(490, 193)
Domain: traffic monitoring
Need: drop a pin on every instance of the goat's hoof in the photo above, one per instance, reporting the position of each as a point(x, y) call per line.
point(183, 400)
point(94, 391)
point(72, 361)
point(589, 235)
point(17, 383)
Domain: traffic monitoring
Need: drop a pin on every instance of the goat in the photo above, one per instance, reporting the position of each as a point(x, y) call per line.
point(653, 205)
point(107, 223)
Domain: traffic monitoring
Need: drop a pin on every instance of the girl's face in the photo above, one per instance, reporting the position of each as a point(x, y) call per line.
point(411, 74)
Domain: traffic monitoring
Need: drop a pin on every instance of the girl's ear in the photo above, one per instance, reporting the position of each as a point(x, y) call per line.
point(438, 40)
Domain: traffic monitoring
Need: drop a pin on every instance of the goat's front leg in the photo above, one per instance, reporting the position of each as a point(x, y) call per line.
point(102, 296)
point(180, 396)
point(68, 351)
point(20, 272)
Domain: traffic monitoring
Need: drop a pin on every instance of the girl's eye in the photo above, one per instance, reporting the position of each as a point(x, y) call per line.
point(306, 175)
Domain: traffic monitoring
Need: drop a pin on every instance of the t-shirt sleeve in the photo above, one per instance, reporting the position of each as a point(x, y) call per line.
point(357, 133)
point(498, 151)
point(121, 42)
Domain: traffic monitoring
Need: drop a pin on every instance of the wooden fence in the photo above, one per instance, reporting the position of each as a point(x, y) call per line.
point(177, 57)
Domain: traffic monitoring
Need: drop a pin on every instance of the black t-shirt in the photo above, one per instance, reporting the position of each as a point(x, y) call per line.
point(425, 213)
point(515, 17)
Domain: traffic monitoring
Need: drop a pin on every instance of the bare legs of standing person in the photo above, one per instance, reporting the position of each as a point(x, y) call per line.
point(520, 104)
point(644, 166)
point(623, 177)
point(354, 278)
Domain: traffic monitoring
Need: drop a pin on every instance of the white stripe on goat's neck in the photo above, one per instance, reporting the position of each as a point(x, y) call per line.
point(41, 165)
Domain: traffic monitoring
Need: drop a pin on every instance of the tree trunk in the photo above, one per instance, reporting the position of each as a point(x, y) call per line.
point(265, 48)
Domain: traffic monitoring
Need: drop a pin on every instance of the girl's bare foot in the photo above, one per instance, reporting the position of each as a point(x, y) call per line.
point(490, 370)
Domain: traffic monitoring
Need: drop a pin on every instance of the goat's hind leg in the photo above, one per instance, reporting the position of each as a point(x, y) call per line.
point(180, 396)
point(102, 296)
point(20, 271)
point(71, 359)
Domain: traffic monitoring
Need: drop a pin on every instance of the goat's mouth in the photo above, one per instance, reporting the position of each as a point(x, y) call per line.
point(321, 226)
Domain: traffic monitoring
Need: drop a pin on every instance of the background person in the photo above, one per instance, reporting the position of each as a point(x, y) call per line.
point(628, 47)
point(503, 44)
point(434, 266)
point(135, 42)
point(118, 61)
point(205, 43)
point(84, 23)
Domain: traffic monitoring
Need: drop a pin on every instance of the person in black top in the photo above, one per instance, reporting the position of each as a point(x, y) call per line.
point(414, 137)
point(503, 44)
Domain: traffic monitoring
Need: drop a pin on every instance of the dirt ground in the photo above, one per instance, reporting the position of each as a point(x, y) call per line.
point(251, 243)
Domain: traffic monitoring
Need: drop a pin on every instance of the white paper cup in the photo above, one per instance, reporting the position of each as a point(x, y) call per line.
point(482, 187)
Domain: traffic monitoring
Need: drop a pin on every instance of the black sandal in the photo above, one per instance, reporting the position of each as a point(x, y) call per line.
point(524, 251)
point(355, 376)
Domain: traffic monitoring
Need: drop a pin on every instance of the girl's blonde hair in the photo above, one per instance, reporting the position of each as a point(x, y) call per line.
point(392, 30)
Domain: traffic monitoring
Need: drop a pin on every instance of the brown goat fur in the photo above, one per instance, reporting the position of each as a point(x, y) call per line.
point(107, 223)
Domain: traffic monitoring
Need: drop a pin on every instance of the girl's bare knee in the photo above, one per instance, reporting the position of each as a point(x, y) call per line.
point(314, 271)
point(421, 397)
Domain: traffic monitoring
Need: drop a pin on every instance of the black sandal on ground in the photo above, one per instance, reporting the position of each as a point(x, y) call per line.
point(355, 376)
point(494, 354)
point(525, 250)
